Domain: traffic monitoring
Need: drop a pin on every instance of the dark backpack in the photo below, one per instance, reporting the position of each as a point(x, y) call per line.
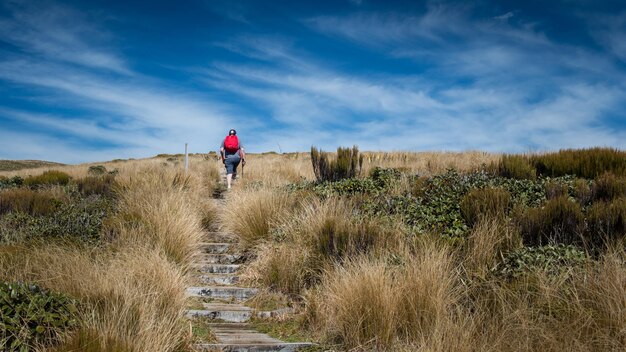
point(231, 144)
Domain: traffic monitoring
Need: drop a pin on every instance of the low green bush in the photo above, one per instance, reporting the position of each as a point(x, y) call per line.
point(551, 259)
point(81, 219)
point(28, 201)
point(6, 182)
point(608, 186)
point(558, 221)
point(606, 223)
point(347, 164)
point(484, 202)
point(383, 178)
point(31, 317)
point(51, 177)
point(96, 170)
point(517, 167)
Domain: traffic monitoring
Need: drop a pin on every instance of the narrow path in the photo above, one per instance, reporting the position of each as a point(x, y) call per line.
point(217, 284)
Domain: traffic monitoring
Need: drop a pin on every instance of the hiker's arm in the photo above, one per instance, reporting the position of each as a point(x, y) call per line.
point(222, 155)
point(242, 153)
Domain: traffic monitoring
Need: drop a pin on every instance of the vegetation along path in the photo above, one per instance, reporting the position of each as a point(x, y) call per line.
point(220, 301)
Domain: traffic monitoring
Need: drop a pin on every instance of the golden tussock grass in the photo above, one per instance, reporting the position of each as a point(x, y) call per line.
point(132, 297)
point(428, 163)
point(487, 243)
point(283, 267)
point(250, 214)
point(367, 303)
point(131, 289)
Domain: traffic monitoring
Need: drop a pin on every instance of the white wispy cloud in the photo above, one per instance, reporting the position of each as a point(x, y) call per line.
point(486, 84)
point(59, 33)
point(524, 91)
point(137, 114)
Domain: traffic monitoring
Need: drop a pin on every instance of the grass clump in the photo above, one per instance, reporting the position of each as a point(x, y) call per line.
point(587, 163)
point(252, 214)
point(370, 305)
point(606, 223)
point(558, 221)
point(51, 177)
point(608, 187)
point(347, 164)
point(488, 242)
point(28, 201)
point(516, 167)
point(357, 305)
point(32, 317)
point(102, 185)
point(484, 202)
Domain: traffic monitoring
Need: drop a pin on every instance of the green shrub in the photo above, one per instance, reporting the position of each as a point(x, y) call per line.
point(14, 181)
point(347, 165)
point(96, 170)
point(383, 178)
point(550, 259)
point(608, 186)
point(517, 167)
point(558, 221)
point(78, 220)
point(606, 223)
point(102, 185)
point(31, 316)
point(585, 163)
point(28, 201)
point(483, 203)
point(52, 177)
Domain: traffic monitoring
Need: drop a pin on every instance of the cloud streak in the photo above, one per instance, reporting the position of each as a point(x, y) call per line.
point(439, 79)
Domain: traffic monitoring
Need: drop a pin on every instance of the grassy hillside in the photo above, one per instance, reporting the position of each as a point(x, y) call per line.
point(12, 165)
point(418, 252)
point(441, 251)
point(109, 245)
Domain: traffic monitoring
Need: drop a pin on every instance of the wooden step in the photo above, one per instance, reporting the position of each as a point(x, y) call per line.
point(223, 292)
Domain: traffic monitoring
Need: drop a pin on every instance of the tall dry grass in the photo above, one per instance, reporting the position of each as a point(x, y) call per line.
point(489, 240)
point(252, 213)
point(428, 163)
point(369, 304)
point(399, 296)
point(133, 298)
point(314, 236)
point(131, 289)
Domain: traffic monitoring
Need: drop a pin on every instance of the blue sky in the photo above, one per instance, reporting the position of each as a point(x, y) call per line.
point(98, 80)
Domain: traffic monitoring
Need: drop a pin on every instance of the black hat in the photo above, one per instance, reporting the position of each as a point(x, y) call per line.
point(232, 132)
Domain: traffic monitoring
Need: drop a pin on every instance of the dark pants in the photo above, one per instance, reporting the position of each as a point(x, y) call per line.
point(231, 162)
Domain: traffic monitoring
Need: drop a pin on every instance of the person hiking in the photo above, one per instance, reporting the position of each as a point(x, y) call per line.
point(232, 154)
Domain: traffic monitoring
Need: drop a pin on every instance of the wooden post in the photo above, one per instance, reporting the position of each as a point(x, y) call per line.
point(186, 159)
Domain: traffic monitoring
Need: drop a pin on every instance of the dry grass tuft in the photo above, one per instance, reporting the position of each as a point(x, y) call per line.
point(357, 305)
point(283, 267)
point(132, 297)
point(487, 243)
point(251, 214)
